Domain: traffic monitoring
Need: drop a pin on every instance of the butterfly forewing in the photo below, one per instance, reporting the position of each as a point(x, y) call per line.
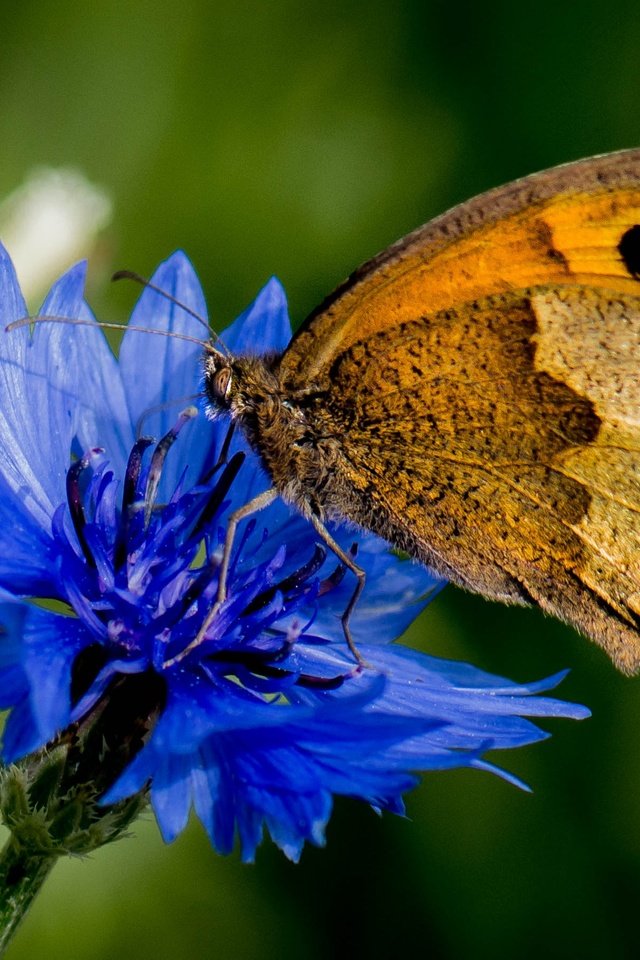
point(563, 226)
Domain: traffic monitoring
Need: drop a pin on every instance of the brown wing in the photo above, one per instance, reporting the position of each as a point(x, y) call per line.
point(561, 227)
point(500, 442)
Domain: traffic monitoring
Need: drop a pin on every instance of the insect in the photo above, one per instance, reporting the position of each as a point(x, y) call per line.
point(472, 394)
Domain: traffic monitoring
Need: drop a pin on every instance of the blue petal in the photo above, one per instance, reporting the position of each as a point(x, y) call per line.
point(278, 767)
point(214, 796)
point(292, 818)
point(136, 775)
point(26, 549)
point(264, 325)
point(171, 794)
point(157, 369)
point(38, 651)
point(13, 305)
point(36, 408)
point(37, 411)
point(101, 415)
point(162, 374)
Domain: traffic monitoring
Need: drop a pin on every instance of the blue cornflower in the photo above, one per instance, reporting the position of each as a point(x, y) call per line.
point(113, 505)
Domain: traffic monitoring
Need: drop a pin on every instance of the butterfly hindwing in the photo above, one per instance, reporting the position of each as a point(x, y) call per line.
point(514, 470)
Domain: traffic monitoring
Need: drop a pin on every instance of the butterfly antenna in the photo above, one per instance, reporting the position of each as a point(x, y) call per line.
point(147, 284)
point(105, 325)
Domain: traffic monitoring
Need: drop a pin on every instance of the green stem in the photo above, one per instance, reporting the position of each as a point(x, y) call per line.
point(22, 873)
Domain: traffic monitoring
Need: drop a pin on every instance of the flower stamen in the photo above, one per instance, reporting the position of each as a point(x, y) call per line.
point(74, 499)
point(158, 458)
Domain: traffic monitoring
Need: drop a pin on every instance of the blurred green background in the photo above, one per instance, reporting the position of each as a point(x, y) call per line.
point(299, 139)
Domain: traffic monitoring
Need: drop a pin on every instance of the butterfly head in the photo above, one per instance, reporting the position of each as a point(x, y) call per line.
point(237, 385)
point(249, 390)
point(218, 379)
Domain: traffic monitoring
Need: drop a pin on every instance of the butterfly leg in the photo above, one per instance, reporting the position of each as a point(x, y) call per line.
point(253, 506)
point(350, 563)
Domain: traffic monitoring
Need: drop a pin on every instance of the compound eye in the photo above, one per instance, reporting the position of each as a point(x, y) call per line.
point(221, 383)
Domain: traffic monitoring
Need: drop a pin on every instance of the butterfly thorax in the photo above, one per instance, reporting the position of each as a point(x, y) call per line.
point(296, 438)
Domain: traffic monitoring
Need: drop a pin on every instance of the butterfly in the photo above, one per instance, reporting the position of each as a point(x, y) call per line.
point(472, 395)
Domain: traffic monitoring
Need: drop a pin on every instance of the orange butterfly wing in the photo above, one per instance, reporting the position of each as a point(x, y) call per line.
point(560, 227)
